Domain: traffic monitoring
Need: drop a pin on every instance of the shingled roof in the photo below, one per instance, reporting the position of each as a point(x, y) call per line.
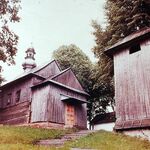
point(128, 41)
point(30, 73)
point(49, 80)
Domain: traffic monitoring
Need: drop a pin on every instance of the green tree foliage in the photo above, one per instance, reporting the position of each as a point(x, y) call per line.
point(8, 39)
point(123, 18)
point(72, 56)
point(102, 74)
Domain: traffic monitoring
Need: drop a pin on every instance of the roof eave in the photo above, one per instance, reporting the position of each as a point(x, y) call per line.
point(21, 78)
point(115, 48)
point(62, 85)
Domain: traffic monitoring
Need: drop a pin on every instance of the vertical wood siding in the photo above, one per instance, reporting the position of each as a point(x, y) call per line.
point(49, 70)
point(55, 108)
point(0, 100)
point(81, 115)
point(68, 78)
point(39, 104)
point(132, 84)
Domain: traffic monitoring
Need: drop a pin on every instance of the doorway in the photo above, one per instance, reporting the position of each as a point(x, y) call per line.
point(69, 115)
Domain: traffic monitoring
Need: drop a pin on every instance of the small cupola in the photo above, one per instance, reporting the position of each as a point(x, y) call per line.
point(29, 60)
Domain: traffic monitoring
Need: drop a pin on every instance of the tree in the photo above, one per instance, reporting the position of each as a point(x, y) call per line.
point(102, 75)
point(72, 56)
point(123, 18)
point(8, 39)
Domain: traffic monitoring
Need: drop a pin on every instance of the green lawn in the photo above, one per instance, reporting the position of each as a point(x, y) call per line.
point(103, 140)
point(22, 138)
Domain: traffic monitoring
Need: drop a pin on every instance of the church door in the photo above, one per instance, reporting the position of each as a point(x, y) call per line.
point(69, 115)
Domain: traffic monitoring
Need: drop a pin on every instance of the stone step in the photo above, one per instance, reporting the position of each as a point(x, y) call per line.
point(67, 137)
point(53, 142)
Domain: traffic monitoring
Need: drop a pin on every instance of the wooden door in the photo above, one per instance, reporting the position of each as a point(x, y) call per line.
point(69, 115)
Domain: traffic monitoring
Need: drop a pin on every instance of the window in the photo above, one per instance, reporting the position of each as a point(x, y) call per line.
point(135, 48)
point(18, 96)
point(9, 98)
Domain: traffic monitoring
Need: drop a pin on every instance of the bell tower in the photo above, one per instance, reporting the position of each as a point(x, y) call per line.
point(29, 60)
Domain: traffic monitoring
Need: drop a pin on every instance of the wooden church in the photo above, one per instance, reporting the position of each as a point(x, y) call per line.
point(44, 95)
point(132, 83)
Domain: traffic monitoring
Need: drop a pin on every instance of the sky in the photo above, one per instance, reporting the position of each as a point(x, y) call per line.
point(48, 24)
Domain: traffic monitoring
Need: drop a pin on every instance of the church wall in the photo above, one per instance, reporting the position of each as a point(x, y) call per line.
point(17, 111)
point(10, 93)
point(55, 108)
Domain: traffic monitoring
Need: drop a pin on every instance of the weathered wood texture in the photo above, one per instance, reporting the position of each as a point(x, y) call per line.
point(36, 80)
point(46, 99)
point(17, 114)
point(17, 111)
point(49, 70)
point(69, 115)
point(54, 107)
point(23, 86)
point(68, 78)
point(39, 104)
point(0, 100)
point(132, 87)
point(81, 115)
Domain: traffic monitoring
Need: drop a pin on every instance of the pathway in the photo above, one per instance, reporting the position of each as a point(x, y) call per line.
point(67, 137)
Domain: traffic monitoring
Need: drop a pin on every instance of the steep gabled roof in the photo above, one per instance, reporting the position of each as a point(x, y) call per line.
point(128, 41)
point(68, 78)
point(30, 73)
point(21, 78)
point(51, 80)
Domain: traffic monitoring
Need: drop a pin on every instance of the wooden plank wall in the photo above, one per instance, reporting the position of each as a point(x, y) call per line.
point(55, 108)
point(81, 115)
point(0, 100)
point(39, 104)
point(24, 86)
point(132, 85)
point(36, 80)
point(50, 70)
point(17, 114)
point(68, 78)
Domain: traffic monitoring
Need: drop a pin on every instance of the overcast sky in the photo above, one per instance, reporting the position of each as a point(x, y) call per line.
point(48, 24)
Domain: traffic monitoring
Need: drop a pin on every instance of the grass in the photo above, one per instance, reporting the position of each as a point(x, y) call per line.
point(103, 140)
point(22, 138)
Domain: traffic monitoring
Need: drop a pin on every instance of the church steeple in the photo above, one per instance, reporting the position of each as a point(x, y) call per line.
point(29, 60)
